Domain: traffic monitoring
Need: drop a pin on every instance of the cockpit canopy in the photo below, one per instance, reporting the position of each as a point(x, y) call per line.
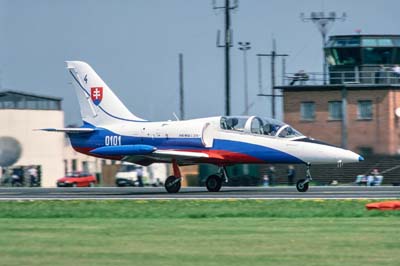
point(258, 125)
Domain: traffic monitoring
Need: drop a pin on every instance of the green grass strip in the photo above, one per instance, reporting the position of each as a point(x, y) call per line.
point(138, 209)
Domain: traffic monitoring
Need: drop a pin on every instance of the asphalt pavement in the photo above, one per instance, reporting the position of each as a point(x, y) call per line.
point(98, 193)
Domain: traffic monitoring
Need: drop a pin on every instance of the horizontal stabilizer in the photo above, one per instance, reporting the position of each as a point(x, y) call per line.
point(124, 150)
point(69, 130)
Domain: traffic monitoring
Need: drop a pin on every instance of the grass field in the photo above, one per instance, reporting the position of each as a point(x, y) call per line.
point(244, 232)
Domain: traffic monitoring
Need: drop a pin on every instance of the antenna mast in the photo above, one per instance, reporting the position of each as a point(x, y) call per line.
point(324, 24)
point(181, 92)
point(273, 56)
point(228, 43)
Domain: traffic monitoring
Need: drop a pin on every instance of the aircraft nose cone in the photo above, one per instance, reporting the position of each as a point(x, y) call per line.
point(354, 157)
point(347, 156)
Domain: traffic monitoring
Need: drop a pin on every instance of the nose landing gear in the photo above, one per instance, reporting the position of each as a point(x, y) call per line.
point(302, 184)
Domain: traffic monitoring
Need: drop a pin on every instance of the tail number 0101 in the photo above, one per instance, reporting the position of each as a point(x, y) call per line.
point(112, 140)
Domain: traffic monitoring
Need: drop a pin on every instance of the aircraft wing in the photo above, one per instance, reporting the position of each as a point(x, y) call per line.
point(147, 154)
point(69, 130)
point(166, 156)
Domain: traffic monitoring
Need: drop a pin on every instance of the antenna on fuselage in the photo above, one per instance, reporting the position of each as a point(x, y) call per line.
point(176, 117)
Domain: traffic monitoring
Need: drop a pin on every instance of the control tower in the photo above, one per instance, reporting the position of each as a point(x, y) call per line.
point(363, 59)
point(359, 108)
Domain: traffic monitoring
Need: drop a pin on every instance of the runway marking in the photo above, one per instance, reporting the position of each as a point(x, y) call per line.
point(200, 193)
point(194, 198)
point(206, 192)
point(227, 193)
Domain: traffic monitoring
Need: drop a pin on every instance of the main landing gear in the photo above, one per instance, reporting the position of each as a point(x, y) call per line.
point(173, 182)
point(302, 184)
point(214, 182)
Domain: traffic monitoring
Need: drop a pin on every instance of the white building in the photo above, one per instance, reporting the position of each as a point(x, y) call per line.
point(22, 113)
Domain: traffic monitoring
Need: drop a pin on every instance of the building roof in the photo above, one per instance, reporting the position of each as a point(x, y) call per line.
point(26, 94)
point(360, 41)
point(10, 99)
point(366, 36)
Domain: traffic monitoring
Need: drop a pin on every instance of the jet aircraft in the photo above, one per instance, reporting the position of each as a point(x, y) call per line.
point(111, 131)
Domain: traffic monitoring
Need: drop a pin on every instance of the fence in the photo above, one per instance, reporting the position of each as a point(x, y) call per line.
point(365, 77)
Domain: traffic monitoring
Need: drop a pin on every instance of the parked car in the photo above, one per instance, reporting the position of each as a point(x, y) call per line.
point(77, 179)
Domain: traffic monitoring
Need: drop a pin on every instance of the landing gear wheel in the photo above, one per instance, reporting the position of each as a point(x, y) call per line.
point(214, 183)
point(173, 184)
point(302, 185)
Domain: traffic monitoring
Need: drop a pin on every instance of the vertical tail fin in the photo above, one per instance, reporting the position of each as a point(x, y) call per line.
point(99, 105)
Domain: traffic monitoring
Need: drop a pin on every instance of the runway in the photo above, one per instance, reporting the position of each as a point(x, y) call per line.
point(132, 193)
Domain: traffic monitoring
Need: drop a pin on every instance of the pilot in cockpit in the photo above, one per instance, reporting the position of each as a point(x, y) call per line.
point(231, 123)
point(266, 129)
point(269, 129)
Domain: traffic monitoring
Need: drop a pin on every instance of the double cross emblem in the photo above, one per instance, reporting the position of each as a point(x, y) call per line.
point(96, 93)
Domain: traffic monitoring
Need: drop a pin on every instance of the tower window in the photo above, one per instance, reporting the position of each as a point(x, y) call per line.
point(307, 111)
point(364, 109)
point(335, 110)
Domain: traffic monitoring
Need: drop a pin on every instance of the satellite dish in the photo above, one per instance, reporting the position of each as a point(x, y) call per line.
point(10, 151)
point(397, 111)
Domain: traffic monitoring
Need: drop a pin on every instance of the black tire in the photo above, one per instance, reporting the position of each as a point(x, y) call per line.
point(121, 183)
point(214, 183)
point(301, 186)
point(171, 185)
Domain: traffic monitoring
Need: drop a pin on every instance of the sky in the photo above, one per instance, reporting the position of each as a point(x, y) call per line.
point(134, 45)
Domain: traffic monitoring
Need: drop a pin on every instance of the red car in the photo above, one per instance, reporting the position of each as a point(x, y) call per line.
point(77, 179)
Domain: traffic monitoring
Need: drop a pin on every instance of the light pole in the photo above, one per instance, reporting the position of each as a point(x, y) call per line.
point(324, 23)
point(244, 47)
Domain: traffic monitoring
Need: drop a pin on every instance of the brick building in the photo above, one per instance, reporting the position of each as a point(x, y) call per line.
point(367, 124)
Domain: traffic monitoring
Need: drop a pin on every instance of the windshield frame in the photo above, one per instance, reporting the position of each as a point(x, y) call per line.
point(275, 127)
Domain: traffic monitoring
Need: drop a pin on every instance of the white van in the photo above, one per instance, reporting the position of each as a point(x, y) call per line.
point(153, 175)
